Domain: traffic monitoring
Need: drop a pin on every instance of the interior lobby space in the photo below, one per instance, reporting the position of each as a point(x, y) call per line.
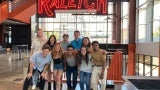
point(127, 30)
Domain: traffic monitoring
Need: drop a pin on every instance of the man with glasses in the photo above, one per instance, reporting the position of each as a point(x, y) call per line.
point(99, 69)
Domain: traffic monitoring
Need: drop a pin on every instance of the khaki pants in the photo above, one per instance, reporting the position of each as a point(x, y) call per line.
point(96, 72)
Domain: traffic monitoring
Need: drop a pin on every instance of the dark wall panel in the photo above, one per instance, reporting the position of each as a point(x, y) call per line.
point(1, 33)
point(21, 34)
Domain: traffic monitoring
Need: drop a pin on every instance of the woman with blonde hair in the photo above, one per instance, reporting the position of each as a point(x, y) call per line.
point(57, 55)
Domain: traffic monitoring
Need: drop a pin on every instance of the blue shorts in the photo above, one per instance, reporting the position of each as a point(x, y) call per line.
point(58, 66)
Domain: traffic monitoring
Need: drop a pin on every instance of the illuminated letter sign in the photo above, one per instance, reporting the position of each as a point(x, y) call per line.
point(46, 8)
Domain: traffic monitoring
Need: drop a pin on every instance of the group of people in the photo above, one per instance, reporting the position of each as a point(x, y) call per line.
point(79, 57)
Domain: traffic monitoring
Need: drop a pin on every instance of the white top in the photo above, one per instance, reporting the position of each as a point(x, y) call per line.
point(86, 68)
point(37, 44)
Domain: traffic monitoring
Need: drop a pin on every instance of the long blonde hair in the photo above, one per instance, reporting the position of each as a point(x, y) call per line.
point(53, 52)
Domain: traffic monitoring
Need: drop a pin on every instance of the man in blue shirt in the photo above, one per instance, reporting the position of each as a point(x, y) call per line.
point(77, 42)
point(39, 63)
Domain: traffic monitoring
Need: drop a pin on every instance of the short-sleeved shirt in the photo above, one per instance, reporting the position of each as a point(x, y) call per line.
point(37, 44)
point(64, 45)
point(77, 44)
point(40, 61)
point(98, 57)
point(71, 61)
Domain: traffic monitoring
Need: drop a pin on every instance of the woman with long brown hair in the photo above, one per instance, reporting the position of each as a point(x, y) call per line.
point(85, 68)
point(51, 42)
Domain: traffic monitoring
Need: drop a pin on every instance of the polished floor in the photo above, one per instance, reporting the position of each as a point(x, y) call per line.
point(12, 74)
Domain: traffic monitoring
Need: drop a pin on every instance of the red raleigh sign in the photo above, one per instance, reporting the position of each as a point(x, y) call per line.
point(46, 8)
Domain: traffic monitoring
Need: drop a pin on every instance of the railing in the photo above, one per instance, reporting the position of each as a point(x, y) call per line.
point(156, 66)
point(15, 62)
point(19, 59)
point(23, 50)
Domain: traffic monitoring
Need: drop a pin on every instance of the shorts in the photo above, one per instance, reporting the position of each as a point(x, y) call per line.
point(59, 66)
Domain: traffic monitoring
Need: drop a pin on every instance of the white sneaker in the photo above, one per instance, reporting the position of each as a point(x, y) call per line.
point(33, 87)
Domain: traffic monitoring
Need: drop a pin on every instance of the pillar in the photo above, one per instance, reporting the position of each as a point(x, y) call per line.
point(131, 45)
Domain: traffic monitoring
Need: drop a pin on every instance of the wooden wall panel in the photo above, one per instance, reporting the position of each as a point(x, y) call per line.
point(131, 60)
point(3, 11)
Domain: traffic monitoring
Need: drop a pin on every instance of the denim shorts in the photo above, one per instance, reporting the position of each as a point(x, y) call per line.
point(58, 66)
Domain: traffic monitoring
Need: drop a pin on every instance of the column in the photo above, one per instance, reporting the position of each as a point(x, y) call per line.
point(131, 45)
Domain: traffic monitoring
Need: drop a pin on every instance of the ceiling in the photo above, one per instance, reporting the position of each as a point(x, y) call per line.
point(12, 22)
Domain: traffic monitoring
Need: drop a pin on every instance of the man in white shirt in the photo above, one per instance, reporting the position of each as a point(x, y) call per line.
point(38, 42)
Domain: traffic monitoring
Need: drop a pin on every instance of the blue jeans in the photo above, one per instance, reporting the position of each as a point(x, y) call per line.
point(85, 78)
point(27, 81)
point(71, 71)
point(35, 77)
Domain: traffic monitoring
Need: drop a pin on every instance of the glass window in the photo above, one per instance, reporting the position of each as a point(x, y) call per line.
point(71, 18)
point(156, 31)
point(142, 16)
point(147, 65)
point(49, 20)
point(57, 19)
point(93, 26)
point(125, 36)
point(141, 67)
point(142, 2)
point(155, 66)
point(137, 65)
point(144, 21)
point(125, 23)
point(156, 8)
point(49, 27)
point(141, 33)
point(93, 18)
point(156, 22)
point(110, 7)
point(56, 26)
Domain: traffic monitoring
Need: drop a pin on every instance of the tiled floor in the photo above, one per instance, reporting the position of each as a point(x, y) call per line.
point(11, 74)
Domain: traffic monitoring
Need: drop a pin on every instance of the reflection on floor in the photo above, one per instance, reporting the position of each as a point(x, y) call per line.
point(11, 74)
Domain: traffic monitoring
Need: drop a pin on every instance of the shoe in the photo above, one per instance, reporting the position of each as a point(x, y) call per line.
point(33, 87)
point(69, 89)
